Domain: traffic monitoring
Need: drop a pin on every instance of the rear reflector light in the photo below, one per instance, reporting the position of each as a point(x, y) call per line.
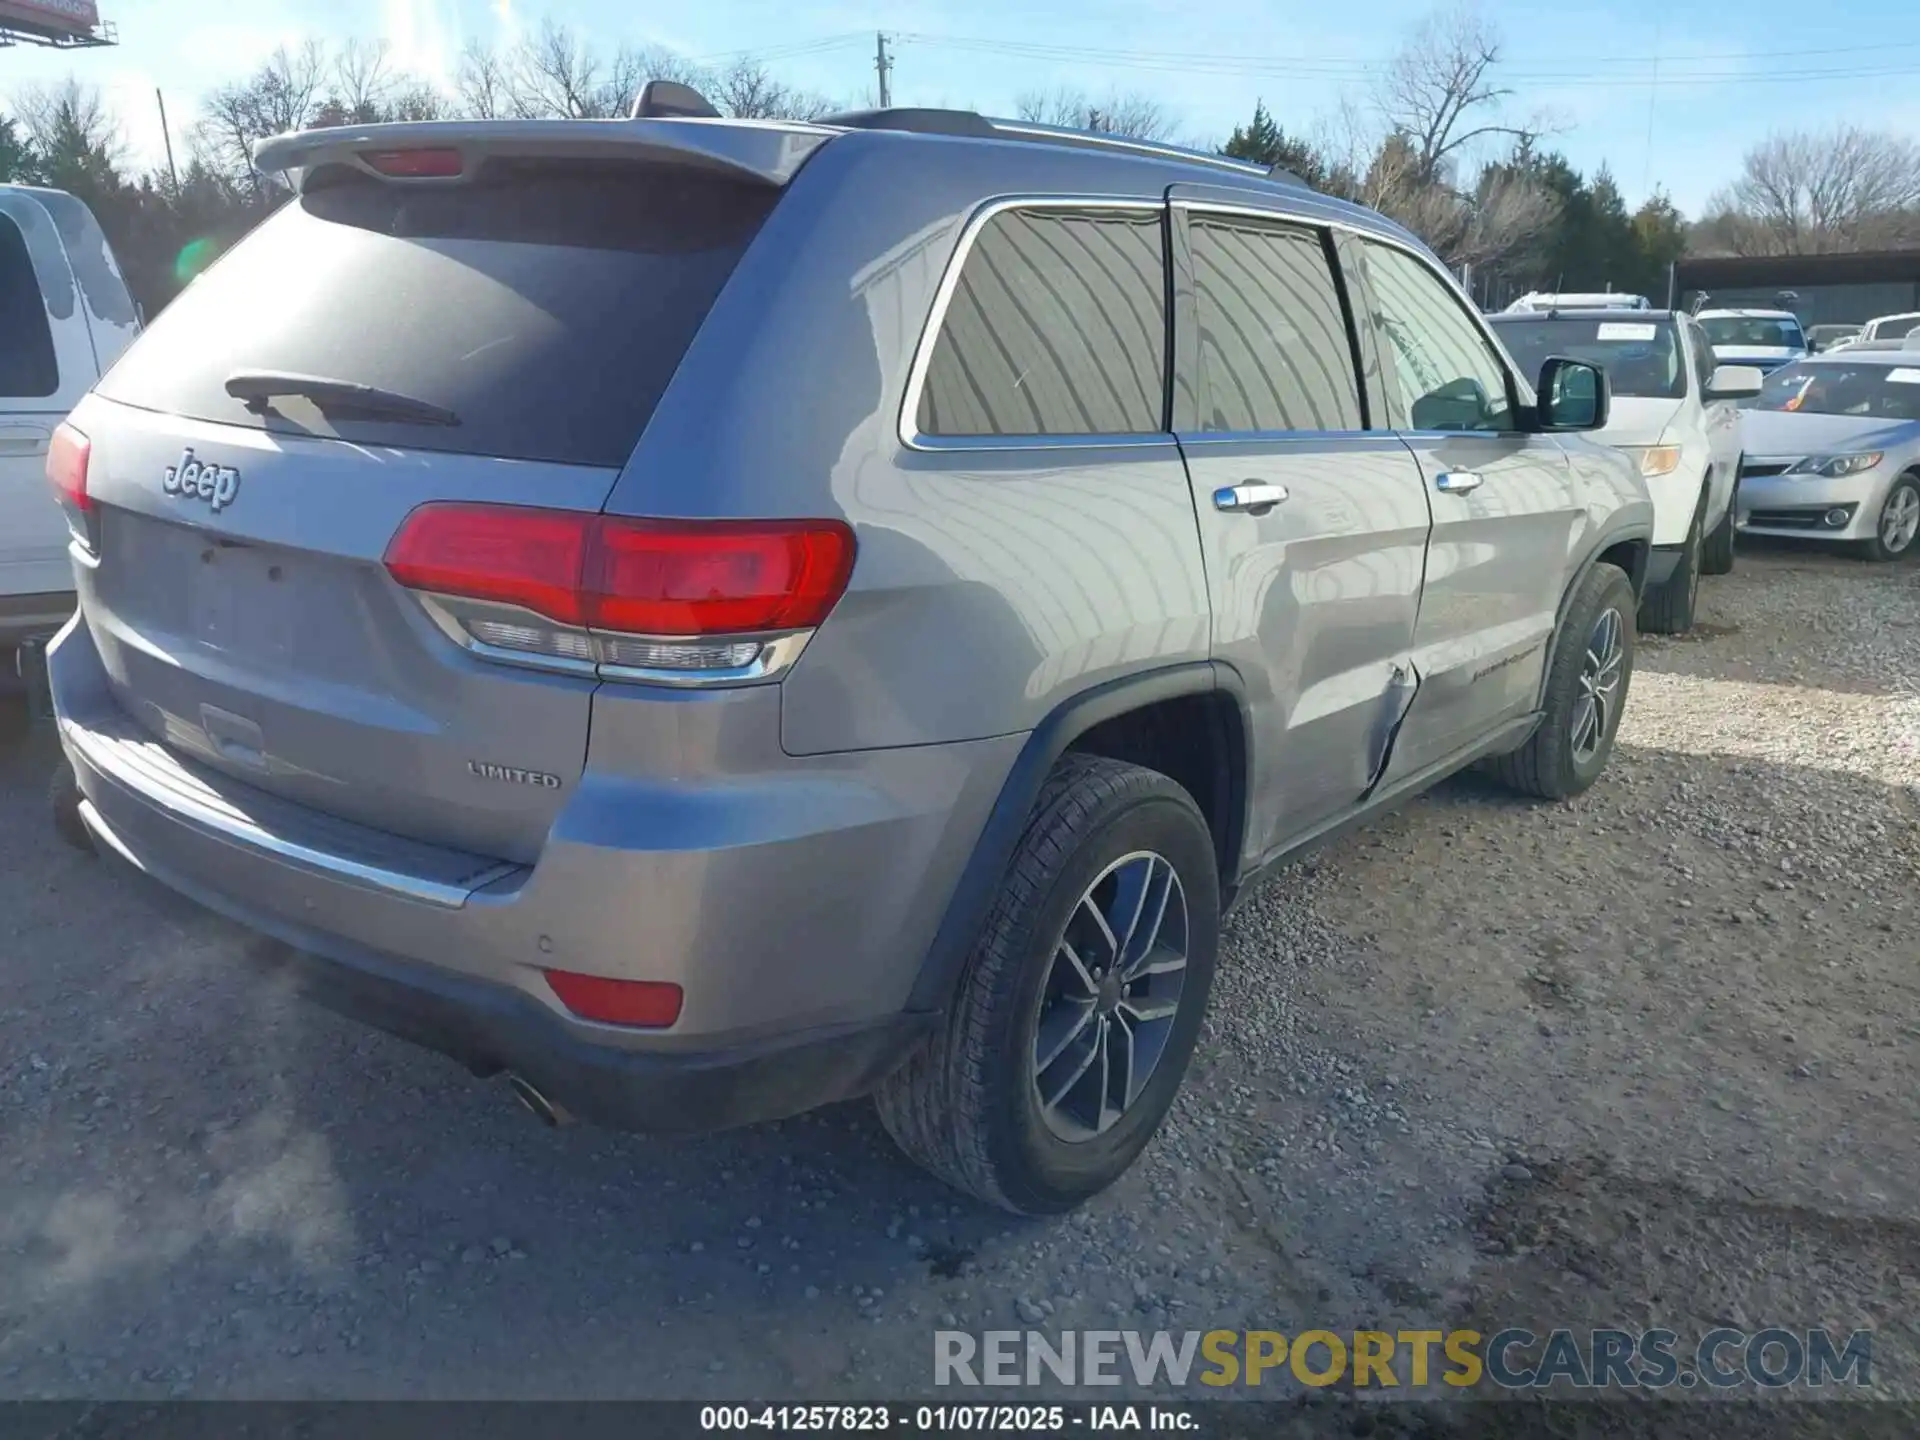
point(665, 579)
point(617, 1002)
point(414, 164)
point(67, 458)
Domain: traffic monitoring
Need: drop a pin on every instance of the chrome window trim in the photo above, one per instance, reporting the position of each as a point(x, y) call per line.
point(908, 427)
point(1524, 391)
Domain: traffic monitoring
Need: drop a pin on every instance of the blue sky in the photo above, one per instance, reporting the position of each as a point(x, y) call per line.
point(1784, 63)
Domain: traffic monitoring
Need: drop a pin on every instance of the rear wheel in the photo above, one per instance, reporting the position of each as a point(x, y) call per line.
point(1081, 1002)
point(1898, 526)
point(1586, 692)
point(1716, 556)
point(1669, 610)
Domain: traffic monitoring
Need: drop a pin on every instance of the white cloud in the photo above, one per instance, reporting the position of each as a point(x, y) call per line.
point(419, 39)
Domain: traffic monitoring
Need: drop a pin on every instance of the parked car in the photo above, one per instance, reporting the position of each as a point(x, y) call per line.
point(1537, 300)
point(1673, 412)
point(65, 315)
point(1764, 339)
point(1832, 450)
point(1891, 327)
point(712, 618)
point(1821, 338)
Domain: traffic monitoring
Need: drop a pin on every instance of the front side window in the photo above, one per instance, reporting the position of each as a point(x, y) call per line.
point(1274, 352)
point(27, 367)
point(1446, 376)
point(1703, 362)
point(1058, 326)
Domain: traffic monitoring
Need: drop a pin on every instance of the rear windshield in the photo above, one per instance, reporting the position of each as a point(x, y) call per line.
point(545, 305)
point(1641, 357)
point(1757, 332)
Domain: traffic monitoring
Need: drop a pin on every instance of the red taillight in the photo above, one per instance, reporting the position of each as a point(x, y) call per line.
point(654, 577)
point(532, 558)
point(636, 577)
point(67, 458)
point(414, 164)
point(617, 1002)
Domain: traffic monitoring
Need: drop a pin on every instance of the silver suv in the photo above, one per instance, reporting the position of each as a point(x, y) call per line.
point(713, 618)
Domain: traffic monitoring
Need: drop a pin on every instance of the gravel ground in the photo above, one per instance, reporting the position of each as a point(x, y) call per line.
point(1649, 1058)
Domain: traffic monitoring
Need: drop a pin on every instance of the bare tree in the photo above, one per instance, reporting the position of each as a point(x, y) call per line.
point(481, 84)
point(363, 76)
point(283, 94)
point(1840, 189)
point(1120, 113)
point(1440, 90)
point(748, 91)
point(553, 72)
point(69, 117)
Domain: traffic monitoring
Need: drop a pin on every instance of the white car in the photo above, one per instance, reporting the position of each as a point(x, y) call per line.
point(1764, 339)
point(1535, 301)
point(1890, 327)
point(1674, 410)
point(65, 315)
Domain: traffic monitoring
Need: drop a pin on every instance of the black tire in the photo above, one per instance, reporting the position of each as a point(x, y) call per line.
point(63, 792)
point(1669, 610)
point(965, 1105)
point(1550, 765)
point(1877, 548)
point(1716, 556)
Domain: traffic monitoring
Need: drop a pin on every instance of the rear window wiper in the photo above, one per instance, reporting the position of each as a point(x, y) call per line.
point(258, 387)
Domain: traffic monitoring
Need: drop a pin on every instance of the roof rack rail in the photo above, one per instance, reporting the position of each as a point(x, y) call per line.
point(972, 123)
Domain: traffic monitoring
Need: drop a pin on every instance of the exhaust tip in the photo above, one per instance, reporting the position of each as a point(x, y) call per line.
point(542, 1109)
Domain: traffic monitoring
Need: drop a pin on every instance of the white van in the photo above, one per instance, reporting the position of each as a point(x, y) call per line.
point(65, 316)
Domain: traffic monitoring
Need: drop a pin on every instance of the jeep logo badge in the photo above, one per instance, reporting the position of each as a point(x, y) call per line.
point(199, 480)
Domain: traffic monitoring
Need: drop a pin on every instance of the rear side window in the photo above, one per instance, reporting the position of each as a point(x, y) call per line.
point(1058, 326)
point(1274, 350)
point(546, 305)
point(27, 368)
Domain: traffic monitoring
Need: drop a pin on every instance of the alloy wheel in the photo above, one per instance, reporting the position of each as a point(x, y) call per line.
point(1595, 709)
point(1900, 520)
point(1112, 992)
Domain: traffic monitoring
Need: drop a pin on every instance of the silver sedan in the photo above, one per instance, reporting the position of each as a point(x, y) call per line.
point(1831, 449)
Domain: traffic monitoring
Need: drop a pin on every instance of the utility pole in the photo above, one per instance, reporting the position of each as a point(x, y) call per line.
point(167, 137)
point(883, 67)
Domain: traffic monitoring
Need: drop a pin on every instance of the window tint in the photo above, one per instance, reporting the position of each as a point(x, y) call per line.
point(27, 368)
point(547, 304)
point(1445, 374)
point(1057, 327)
point(1274, 351)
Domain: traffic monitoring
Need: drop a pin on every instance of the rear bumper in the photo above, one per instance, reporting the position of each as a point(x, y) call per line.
point(795, 928)
point(492, 1029)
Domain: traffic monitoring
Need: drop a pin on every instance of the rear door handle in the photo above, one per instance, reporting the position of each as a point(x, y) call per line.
point(1249, 497)
point(1456, 482)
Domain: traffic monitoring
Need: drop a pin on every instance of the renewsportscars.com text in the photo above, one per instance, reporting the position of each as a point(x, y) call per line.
point(1513, 1359)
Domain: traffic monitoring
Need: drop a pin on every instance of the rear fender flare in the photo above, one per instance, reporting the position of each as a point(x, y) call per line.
point(986, 867)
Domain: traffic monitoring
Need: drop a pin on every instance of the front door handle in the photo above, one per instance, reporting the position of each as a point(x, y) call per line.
point(1456, 482)
point(1249, 497)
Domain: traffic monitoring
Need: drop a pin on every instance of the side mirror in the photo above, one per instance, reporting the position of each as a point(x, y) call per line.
point(1573, 395)
point(1734, 382)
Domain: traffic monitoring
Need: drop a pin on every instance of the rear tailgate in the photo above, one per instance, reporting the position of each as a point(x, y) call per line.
point(240, 602)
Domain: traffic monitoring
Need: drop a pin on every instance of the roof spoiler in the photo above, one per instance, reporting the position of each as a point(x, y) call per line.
point(764, 153)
